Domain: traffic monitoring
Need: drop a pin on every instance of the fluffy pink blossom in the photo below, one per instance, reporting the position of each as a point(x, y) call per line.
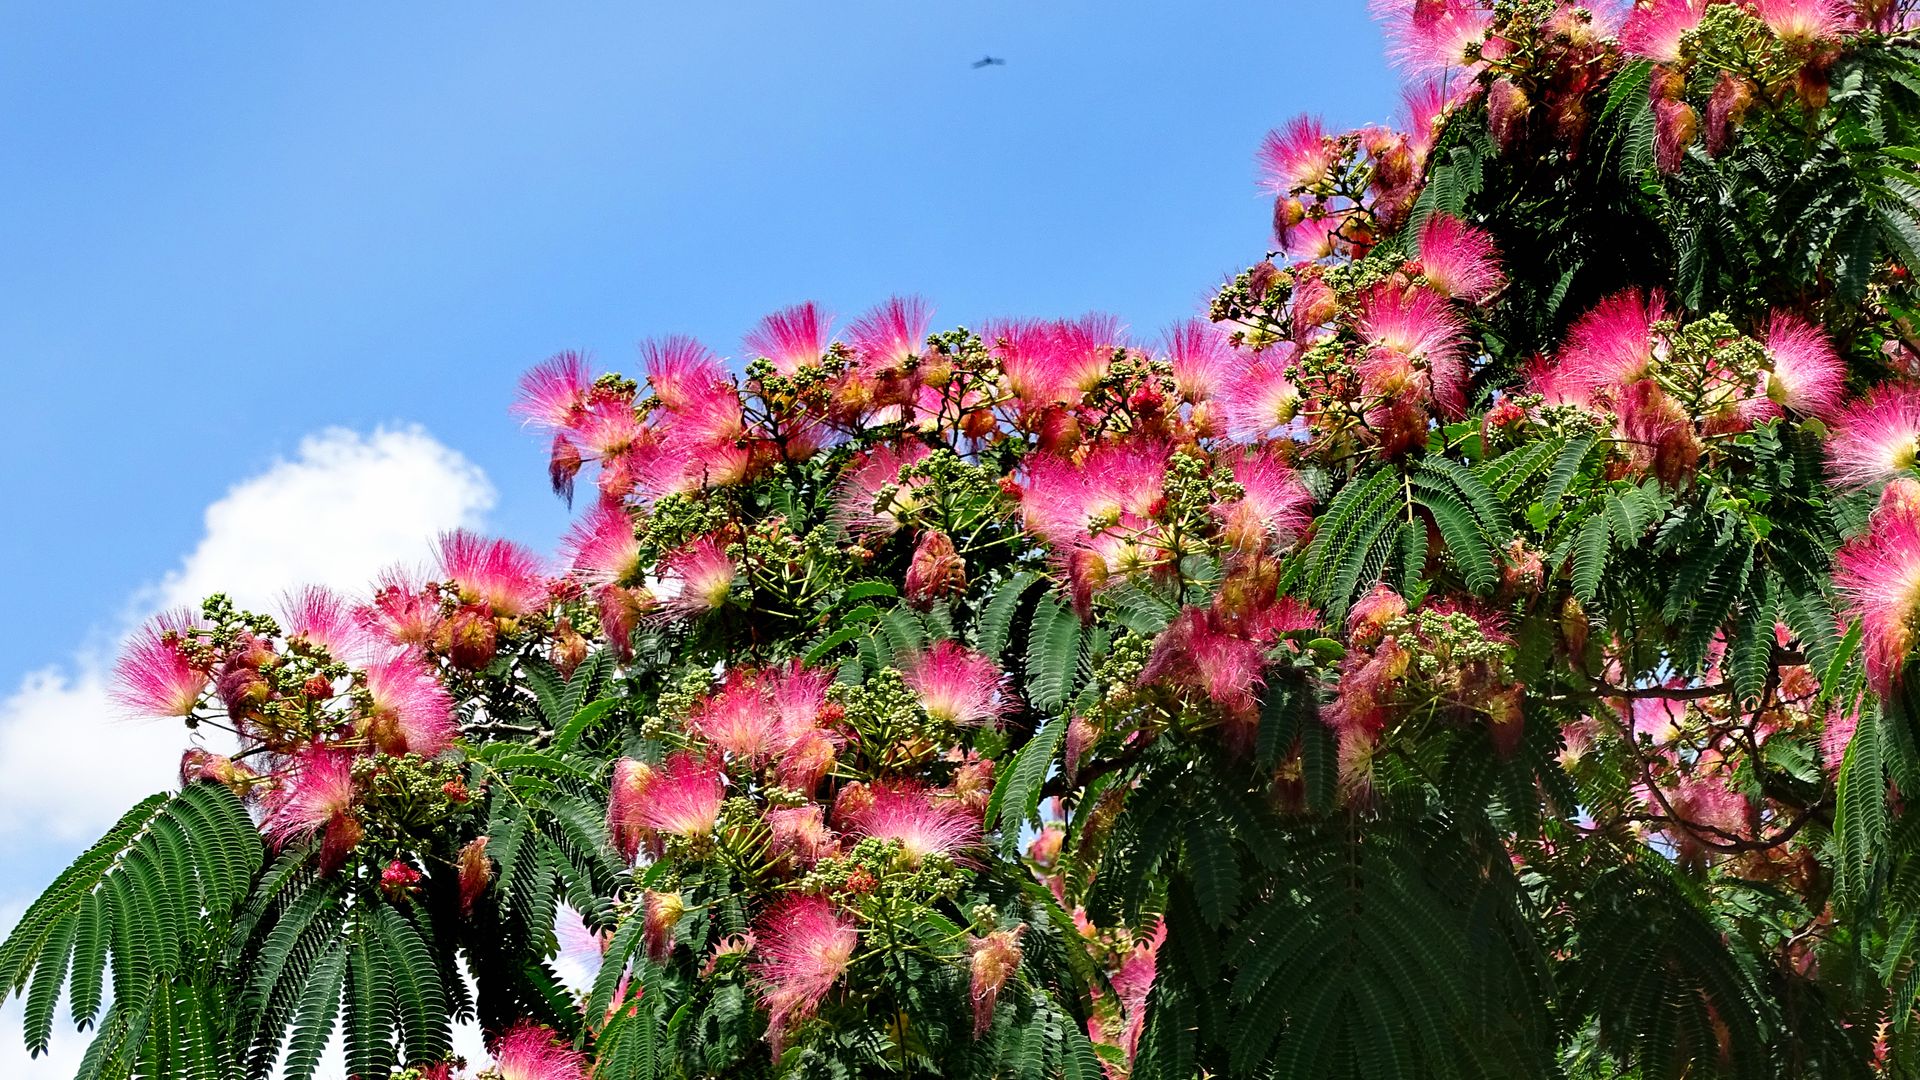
point(1201, 650)
point(792, 338)
point(925, 823)
point(604, 547)
point(1117, 485)
point(800, 833)
point(1201, 357)
point(1415, 340)
point(1429, 37)
point(404, 612)
point(1806, 21)
point(740, 719)
point(958, 686)
point(1258, 397)
point(1459, 260)
point(1424, 108)
point(680, 798)
point(1876, 438)
point(683, 374)
point(1808, 376)
point(553, 393)
point(409, 711)
point(857, 505)
point(1311, 239)
point(1274, 505)
point(506, 576)
point(995, 958)
point(804, 945)
point(1653, 30)
point(154, 676)
point(631, 783)
point(1879, 574)
point(1611, 344)
point(314, 792)
point(1048, 362)
point(321, 617)
point(885, 337)
point(531, 1052)
point(1296, 156)
point(695, 578)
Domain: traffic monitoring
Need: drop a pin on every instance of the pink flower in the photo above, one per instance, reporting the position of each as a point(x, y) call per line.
point(661, 912)
point(1459, 260)
point(1311, 239)
point(1296, 156)
point(1258, 396)
point(792, 338)
point(1274, 506)
point(1879, 574)
point(1611, 344)
point(924, 823)
point(1876, 438)
point(887, 336)
point(476, 873)
point(1805, 21)
point(1119, 485)
point(995, 958)
point(683, 374)
point(604, 547)
point(554, 393)
point(695, 578)
point(531, 1052)
point(404, 612)
point(1424, 108)
point(1202, 358)
point(858, 505)
point(323, 618)
point(958, 686)
point(1808, 376)
point(409, 711)
point(1675, 126)
point(936, 571)
point(800, 833)
point(1199, 649)
point(804, 945)
point(1054, 362)
point(314, 793)
point(740, 719)
point(681, 798)
point(155, 677)
point(501, 573)
point(1415, 343)
point(1428, 37)
point(1653, 30)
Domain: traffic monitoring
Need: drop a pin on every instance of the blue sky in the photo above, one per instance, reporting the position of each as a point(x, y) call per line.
point(223, 230)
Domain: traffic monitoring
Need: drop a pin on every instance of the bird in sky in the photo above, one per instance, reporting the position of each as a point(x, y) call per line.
point(988, 61)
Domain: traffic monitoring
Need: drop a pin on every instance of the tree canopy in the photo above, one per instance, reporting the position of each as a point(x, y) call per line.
point(1481, 646)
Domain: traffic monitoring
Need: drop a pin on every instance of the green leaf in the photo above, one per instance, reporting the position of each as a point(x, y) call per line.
point(1016, 797)
point(1860, 823)
point(1590, 557)
point(1053, 654)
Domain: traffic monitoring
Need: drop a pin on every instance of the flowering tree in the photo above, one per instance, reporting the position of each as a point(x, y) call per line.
point(1483, 647)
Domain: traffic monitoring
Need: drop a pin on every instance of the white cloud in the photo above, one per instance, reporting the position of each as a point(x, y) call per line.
point(339, 511)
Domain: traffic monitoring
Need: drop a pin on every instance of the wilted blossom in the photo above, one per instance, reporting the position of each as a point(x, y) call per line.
point(995, 957)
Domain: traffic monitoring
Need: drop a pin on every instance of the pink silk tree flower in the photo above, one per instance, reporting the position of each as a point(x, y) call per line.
point(323, 618)
point(884, 338)
point(531, 1052)
point(1808, 376)
point(695, 578)
point(1458, 260)
point(498, 572)
point(803, 945)
point(1274, 505)
point(154, 676)
point(1652, 31)
point(739, 719)
point(404, 612)
point(858, 507)
point(1803, 22)
point(660, 912)
point(1296, 156)
point(994, 959)
point(1415, 342)
point(1311, 238)
point(1199, 650)
point(1877, 437)
point(792, 338)
point(1879, 575)
point(604, 546)
point(1611, 344)
point(314, 794)
point(681, 372)
point(1259, 397)
point(800, 833)
point(684, 798)
point(958, 686)
point(554, 392)
point(924, 823)
point(476, 873)
point(1431, 37)
point(632, 784)
point(410, 712)
point(1201, 357)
